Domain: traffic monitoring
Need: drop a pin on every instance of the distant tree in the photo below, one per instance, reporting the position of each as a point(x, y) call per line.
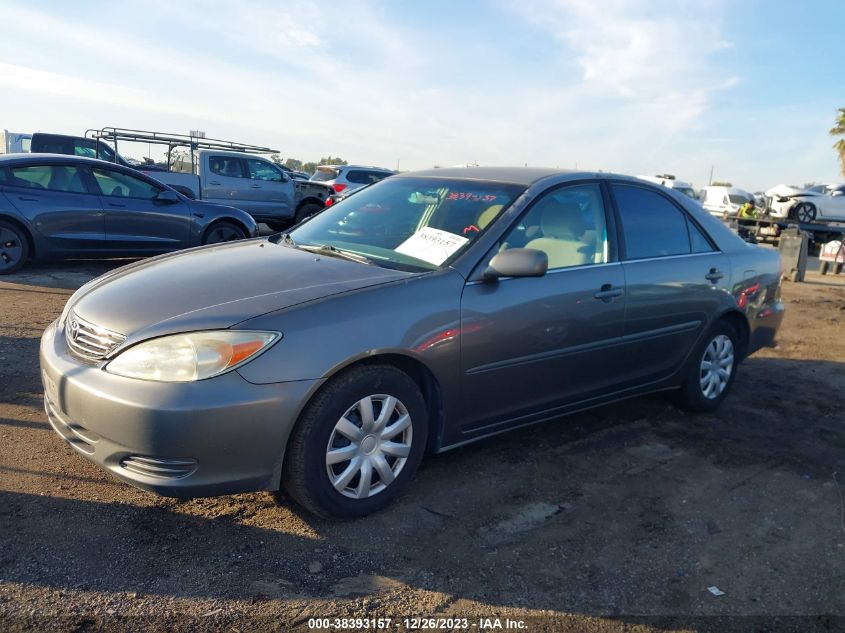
point(309, 168)
point(337, 160)
point(293, 163)
point(839, 130)
point(721, 183)
point(276, 159)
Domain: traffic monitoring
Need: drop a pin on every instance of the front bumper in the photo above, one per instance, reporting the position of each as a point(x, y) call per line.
point(217, 436)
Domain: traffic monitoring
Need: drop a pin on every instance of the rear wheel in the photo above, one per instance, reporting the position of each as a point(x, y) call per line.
point(804, 212)
point(357, 444)
point(711, 371)
point(14, 248)
point(837, 268)
point(223, 232)
point(306, 211)
point(824, 267)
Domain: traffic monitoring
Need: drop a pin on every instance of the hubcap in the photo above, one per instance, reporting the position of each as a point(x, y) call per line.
point(716, 366)
point(369, 446)
point(11, 248)
point(804, 213)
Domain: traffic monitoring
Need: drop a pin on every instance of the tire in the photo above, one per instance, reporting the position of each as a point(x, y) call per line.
point(328, 424)
point(14, 248)
point(804, 212)
point(306, 211)
point(824, 267)
point(699, 392)
point(837, 268)
point(220, 232)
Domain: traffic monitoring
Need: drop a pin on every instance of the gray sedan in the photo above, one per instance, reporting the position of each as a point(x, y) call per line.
point(55, 206)
point(427, 311)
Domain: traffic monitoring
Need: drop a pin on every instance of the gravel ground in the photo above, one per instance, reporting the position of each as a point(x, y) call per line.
point(618, 519)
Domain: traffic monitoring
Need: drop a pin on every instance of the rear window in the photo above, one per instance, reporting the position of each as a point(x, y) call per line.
point(52, 177)
point(324, 174)
point(738, 199)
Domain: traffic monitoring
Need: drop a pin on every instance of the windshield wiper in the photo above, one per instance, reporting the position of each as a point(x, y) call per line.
point(328, 249)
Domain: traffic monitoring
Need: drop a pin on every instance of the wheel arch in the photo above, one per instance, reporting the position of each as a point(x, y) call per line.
point(310, 200)
point(739, 322)
point(226, 219)
point(30, 238)
point(418, 371)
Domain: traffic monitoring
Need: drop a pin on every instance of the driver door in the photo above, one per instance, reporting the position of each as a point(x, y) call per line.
point(530, 345)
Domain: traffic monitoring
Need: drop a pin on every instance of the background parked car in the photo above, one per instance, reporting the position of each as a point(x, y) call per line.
point(724, 201)
point(669, 181)
point(818, 204)
point(345, 177)
point(54, 206)
point(14, 142)
point(460, 303)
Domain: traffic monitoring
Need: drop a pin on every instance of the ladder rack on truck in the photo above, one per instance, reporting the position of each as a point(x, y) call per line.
point(173, 141)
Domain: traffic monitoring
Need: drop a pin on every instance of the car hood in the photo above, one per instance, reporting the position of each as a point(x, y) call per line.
point(787, 191)
point(217, 287)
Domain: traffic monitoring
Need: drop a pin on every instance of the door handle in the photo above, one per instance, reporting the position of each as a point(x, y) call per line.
point(714, 275)
point(116, 205)
point(608, 293)
point(213, 182)
point(23, 199)
point(256, 186)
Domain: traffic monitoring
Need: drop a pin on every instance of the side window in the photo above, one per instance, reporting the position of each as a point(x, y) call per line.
point(698, 242)
point(652, 226)
point(358, 177)
point(120, 185)
point(52, 177)
point(226, 166)
point(568, 224)
point(375, 176)
point(87, 149)
point(262, 170)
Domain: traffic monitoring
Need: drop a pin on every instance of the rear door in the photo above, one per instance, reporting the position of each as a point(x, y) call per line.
point(272, 188)
point(134, 220)
point(225, 182)
point(675, 279)
point(61, 203)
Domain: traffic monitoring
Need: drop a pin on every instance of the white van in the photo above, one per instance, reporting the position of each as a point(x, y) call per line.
point(724, 201)
point(670, 182)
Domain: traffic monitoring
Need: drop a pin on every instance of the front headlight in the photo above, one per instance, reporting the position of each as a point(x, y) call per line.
point(191, 356)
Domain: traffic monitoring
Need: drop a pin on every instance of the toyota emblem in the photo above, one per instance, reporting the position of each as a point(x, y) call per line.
point(74, 329)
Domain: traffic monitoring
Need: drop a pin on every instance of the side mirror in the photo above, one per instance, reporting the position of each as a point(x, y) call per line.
point(167, 196)
point(517, 262)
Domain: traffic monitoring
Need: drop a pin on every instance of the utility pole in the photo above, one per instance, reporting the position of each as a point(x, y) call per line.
point(710, 182)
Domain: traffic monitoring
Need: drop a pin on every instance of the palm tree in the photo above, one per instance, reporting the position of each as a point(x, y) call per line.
point(839, 130)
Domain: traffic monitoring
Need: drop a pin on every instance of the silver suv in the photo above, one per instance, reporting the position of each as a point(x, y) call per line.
point(349, 177)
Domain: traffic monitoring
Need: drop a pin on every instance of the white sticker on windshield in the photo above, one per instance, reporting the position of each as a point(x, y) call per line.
point(431, 245)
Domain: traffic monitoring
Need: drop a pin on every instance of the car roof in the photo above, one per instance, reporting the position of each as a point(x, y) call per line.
point(38, 157)
point(516, 175)
point(384, 169)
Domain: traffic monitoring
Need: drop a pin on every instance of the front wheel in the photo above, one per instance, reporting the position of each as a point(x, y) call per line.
point(357, 444)
point(223, 232)
point(804, 212)
point(712, 370)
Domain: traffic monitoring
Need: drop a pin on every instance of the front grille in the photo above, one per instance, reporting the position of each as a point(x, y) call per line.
point(89, 341)
point(158, 467)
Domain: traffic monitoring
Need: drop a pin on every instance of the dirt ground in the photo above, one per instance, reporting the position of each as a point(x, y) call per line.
point(618, 519)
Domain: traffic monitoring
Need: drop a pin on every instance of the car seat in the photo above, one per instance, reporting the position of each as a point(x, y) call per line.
point(562, 226)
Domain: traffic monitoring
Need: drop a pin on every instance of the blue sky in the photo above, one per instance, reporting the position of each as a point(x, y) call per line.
point(633, 86)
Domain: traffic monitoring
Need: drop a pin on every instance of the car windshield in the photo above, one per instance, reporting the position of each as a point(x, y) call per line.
point(687, 191)
point(409, 223)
